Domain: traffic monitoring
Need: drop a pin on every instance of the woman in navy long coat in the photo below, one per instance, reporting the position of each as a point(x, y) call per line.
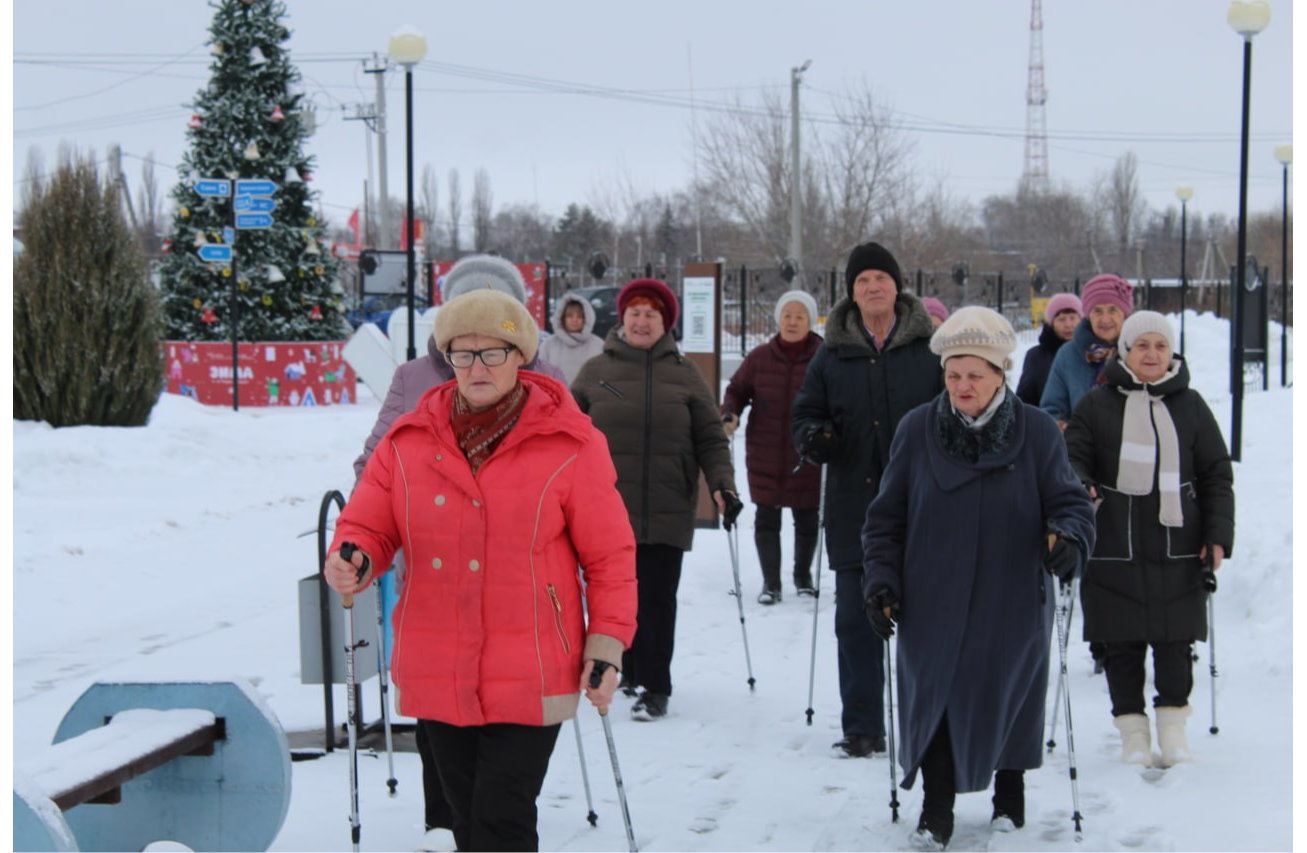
point(977, 504)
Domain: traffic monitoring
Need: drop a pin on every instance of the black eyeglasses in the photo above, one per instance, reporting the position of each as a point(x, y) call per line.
point(463, 358)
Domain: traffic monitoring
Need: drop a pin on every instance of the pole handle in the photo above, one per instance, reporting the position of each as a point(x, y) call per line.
point(347, 550)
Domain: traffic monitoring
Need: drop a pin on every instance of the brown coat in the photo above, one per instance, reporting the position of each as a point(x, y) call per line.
point(663, 426)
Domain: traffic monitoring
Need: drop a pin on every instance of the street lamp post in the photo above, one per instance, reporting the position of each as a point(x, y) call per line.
point(796, 176)
point(1246, 19)
point(1184, 194)
point(408, 47)
point(1284, 154)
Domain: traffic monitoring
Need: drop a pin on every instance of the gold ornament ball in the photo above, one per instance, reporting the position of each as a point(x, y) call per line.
point(267, 300)
point(319, 269)
point(245, 285)
point(226, 272)
point(185, 212)
point(197, 303)
point(312, 221)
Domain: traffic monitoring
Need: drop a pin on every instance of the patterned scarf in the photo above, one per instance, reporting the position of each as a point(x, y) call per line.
point(1097, 355)
point(479, 433)
point(1142, 447)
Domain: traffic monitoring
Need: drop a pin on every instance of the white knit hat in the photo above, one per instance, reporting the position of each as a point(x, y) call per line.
point(804, 299)
point(977, 331)
point(1143, 322)
point(476, 272)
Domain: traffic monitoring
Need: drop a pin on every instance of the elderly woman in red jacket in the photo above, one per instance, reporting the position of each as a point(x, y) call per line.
point(497, 487)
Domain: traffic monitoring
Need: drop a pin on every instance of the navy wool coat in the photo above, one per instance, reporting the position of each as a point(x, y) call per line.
point(962, 546)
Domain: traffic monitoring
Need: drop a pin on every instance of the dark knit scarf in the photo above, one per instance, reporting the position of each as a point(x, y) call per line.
point(479, 433)
point(1097, 355)
point(792, 349)
point(969, 445)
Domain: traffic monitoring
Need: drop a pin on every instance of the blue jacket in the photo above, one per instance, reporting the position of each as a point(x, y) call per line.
point(961, 544)
point(1071, 376)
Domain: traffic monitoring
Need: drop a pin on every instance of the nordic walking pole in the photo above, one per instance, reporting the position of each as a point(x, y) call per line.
point(585, 774)
point(893, 756)
point(391, 782)
point(596, 678)
point(733, 507)
point(1063, 632)
point(816, 595)
point(1069, 607)
point(1209, 582)
point(347, 550)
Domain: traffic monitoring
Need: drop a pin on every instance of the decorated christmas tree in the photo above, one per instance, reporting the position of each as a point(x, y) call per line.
point(247, 124)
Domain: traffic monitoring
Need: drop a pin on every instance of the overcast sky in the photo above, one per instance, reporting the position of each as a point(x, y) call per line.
point(600, 91)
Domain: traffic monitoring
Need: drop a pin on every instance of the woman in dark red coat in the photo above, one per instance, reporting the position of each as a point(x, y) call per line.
point(769, 379)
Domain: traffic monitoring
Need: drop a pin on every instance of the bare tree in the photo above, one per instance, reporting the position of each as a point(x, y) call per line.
point(429, 201)
point(151, 218)
point(455, 214)
point(1124, 206)
point(483, 200)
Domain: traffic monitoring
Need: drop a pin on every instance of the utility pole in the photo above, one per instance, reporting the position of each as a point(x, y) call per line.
point(796, 175)
point(383, 207)
point(116, 177)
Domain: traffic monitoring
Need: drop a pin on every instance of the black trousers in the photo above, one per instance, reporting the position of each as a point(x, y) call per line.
point(767, 536)
point(1173, 675)
point(648, 663)
point(437, 810)
point(492, 775)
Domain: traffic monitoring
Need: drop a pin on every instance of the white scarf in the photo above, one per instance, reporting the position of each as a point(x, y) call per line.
point(1148, 434)
point(986, 416)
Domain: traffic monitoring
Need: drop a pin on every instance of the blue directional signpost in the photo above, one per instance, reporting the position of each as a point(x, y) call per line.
point(255, 187)
point(213, 187)
point(215, 253)
point(253, 221)
point(251, 204)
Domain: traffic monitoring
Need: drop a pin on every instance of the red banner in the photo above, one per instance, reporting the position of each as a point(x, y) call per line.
point(532, 274)
point(305, 373)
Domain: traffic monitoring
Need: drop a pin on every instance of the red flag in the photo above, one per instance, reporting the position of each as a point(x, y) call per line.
point(419, 227)
point(354, 226)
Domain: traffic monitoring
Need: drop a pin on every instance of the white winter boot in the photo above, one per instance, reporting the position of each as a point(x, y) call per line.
point(1136, 745)
point(1170, 735)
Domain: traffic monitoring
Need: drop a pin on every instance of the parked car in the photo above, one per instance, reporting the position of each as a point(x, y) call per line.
point(376, 309)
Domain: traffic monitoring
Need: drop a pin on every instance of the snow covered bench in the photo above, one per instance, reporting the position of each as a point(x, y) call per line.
point(202, 763)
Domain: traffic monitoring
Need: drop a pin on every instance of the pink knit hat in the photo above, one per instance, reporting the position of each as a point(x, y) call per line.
point(935, 307)
point(1062, 302)
point(1108, 289)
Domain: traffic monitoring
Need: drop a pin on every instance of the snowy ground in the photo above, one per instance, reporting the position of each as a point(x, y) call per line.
point(172, 552)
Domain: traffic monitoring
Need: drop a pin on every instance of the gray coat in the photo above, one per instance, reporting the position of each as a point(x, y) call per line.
point(662, 426)
point(569, 350)
point(961, 544)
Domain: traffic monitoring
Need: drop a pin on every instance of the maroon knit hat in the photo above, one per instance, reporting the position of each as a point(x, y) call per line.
point(656, 292)
point(1107, 289)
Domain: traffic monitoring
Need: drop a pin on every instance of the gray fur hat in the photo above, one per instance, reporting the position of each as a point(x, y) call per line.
point(476, 272)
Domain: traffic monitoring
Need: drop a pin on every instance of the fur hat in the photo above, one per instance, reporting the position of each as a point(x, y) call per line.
point(478, 271)
point(935, 307)
point(656, 292)
point(1143, 322)
point(974, 330)
point(801, 297)
point(1062, 302)
point(1108, 289)
point(871, 256)
point(491, 313)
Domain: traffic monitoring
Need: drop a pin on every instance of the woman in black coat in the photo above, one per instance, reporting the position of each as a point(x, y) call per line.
point(1151, 452)
point(768, 380)
point(1061, 317)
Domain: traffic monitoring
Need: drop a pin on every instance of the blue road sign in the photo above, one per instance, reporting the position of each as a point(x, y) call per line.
point(229, 235)
point(213, 253)
point(253, 220)
point(253, 187)
point(220, 187)
point(255, 205)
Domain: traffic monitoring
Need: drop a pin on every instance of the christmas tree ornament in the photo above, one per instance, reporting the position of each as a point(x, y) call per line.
point(252, 151)
point(257, 58)
point(316, 313)
point(167, 244)
point(200, 239)
point(226, 272)
point(198, 304)
point(301, 273)
point(217, 49)
point(308, 176)
point(277, 114)
point(245, 284)
point(292, 176)
point(196, 122)
point(185, 212)
point(267, 300)
point(208, 316)
point(312, 222)
point(312, 247)
point(274, 274)
point(319, 269)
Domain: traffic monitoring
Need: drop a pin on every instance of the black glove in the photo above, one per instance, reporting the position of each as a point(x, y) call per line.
point(821, 444)
point(1062, 559)
point(1209, 573)
point(733, 507)
point(875, 609)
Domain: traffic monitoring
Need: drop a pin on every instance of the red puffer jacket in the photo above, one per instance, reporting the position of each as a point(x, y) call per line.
point(490, 626)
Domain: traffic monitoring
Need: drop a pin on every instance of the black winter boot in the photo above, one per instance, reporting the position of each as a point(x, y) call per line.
point(768, 543)
point(940, 789)
point(805, 547)
point(1009, 800)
